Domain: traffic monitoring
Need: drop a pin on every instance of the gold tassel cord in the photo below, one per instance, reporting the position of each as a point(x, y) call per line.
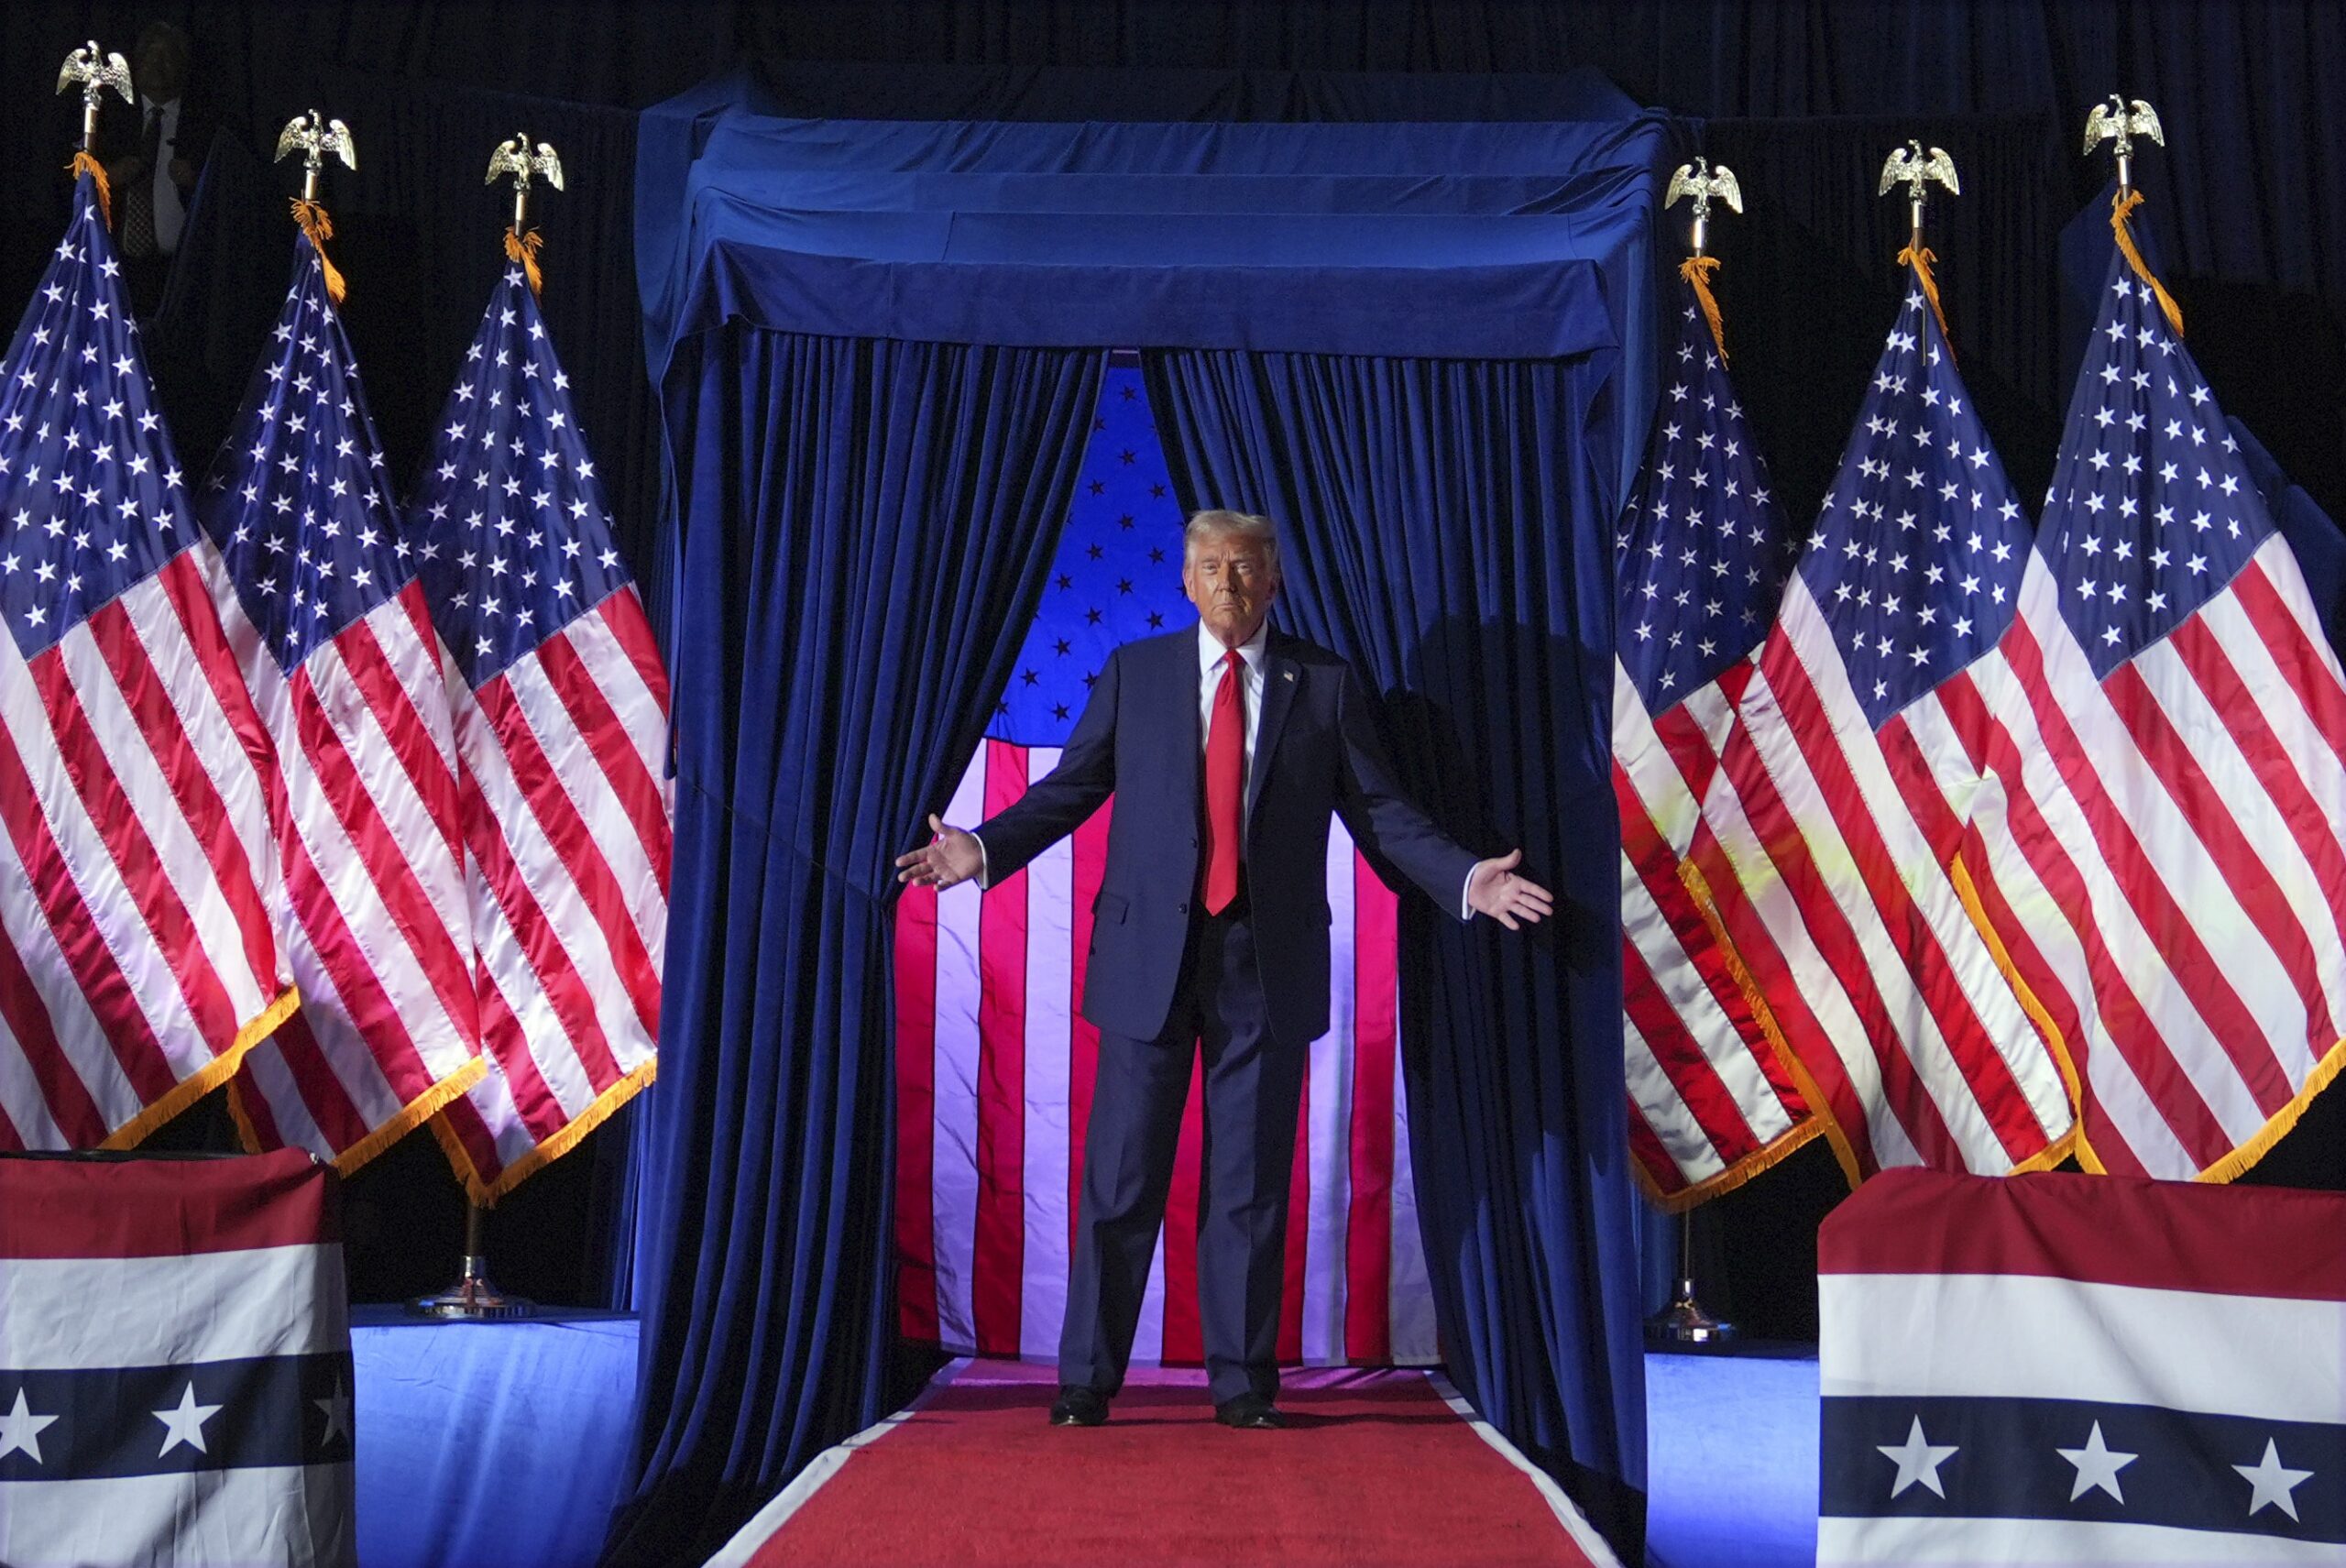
point(84, 163)
point(1698, 270)
point(523, 248)
point(1919, 258)
point(2117, 214)
point(313, 220)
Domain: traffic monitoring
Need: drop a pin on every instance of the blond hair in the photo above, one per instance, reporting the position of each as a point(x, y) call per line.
point(1238, 524)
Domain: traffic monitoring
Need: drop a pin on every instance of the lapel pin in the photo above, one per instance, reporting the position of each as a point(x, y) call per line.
point(1287, 674)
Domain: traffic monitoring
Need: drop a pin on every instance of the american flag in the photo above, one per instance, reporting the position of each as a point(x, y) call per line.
point(1699, 564)
point(561, 717)
point(137, 956)
point(2171, 748)
point(336, 645)
point(995, 1065)
point(1839, 804)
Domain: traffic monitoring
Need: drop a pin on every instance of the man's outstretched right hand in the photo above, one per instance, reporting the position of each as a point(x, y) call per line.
point(953, 856)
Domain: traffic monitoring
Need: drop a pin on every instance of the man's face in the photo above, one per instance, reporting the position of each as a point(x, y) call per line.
point(1229, 578)
point(160, 70)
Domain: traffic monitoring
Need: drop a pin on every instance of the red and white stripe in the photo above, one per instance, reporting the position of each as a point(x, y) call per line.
point(995, 1069)
point(2186, 818)
point(375, 908)
point(1835, 883)
point(136, 958)
point(566, 823)
point(1710, 1103)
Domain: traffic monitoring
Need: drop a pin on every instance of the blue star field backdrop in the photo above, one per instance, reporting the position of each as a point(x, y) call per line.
point(1118, 575)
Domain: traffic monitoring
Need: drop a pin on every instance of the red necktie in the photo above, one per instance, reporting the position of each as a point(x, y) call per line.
point(1225, 784)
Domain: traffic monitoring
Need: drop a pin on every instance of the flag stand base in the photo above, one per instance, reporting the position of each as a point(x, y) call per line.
point(1684, 1321)
point(474, 1298)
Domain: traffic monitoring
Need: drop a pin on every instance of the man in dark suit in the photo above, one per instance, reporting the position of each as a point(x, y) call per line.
point(152, 167)
point(1227, 747)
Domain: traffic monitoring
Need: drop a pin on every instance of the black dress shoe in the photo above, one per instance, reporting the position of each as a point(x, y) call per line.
point(1079, 1406)
point(1249, 1412)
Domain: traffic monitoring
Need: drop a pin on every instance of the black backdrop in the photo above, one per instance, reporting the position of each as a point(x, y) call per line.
point(1802, 98)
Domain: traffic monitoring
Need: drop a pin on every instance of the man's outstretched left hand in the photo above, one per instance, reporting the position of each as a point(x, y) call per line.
point(1513, 901)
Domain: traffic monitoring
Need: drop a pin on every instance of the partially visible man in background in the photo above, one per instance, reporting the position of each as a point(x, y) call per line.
point(153, 169)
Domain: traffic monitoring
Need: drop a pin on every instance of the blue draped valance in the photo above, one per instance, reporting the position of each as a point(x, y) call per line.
point(1527, 240)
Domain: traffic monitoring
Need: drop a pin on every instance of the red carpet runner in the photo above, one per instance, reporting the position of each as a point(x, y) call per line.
point(1374, 1468)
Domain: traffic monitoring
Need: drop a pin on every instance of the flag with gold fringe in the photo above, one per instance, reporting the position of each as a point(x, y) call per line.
point(138, 958)
point(1699, 564)
point(1838, 807)
point(2170, 745)
point(336, 647)
point(561, 713)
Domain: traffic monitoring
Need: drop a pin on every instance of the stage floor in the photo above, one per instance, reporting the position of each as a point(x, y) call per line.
point(490, 1446)
point(1376, 1469)
point(505, 1444)
point(1731, 1461)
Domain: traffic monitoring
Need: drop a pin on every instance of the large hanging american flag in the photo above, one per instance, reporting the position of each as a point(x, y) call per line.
point(1699, 564)
point(137, 956)
point(2171, 748)
point(1838, 804)
point(336, 645)
point(995, 1065)
point(562, 719)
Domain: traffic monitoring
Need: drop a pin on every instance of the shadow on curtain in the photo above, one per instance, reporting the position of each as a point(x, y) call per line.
point(1446, 530)
point(867, 527)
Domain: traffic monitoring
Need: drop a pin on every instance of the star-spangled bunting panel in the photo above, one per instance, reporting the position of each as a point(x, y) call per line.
point(2079, 1370)
point(340, 657)
point(561, 717)
point(2175, 771)
point(138, 959)
point(1700, 561)
point(1840, 804)
point(175, 1372)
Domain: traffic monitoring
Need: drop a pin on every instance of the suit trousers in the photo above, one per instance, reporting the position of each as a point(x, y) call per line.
point(1254, 1087)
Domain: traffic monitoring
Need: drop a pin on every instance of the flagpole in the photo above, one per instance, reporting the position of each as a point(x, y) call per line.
point(1685, 1322)
point(473, 1296)
point(315, 138)
point(1918, 170)
point(93, 73)
point(519, 157)
point(2119, 122)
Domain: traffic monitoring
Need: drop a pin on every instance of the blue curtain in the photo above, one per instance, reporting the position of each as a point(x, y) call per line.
point(866, 530)
point(1447, 525)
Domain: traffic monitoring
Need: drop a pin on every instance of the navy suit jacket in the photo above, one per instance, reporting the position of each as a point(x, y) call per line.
point(1316, 751)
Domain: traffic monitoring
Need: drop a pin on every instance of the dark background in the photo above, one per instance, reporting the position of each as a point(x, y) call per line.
point(1802, 98)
